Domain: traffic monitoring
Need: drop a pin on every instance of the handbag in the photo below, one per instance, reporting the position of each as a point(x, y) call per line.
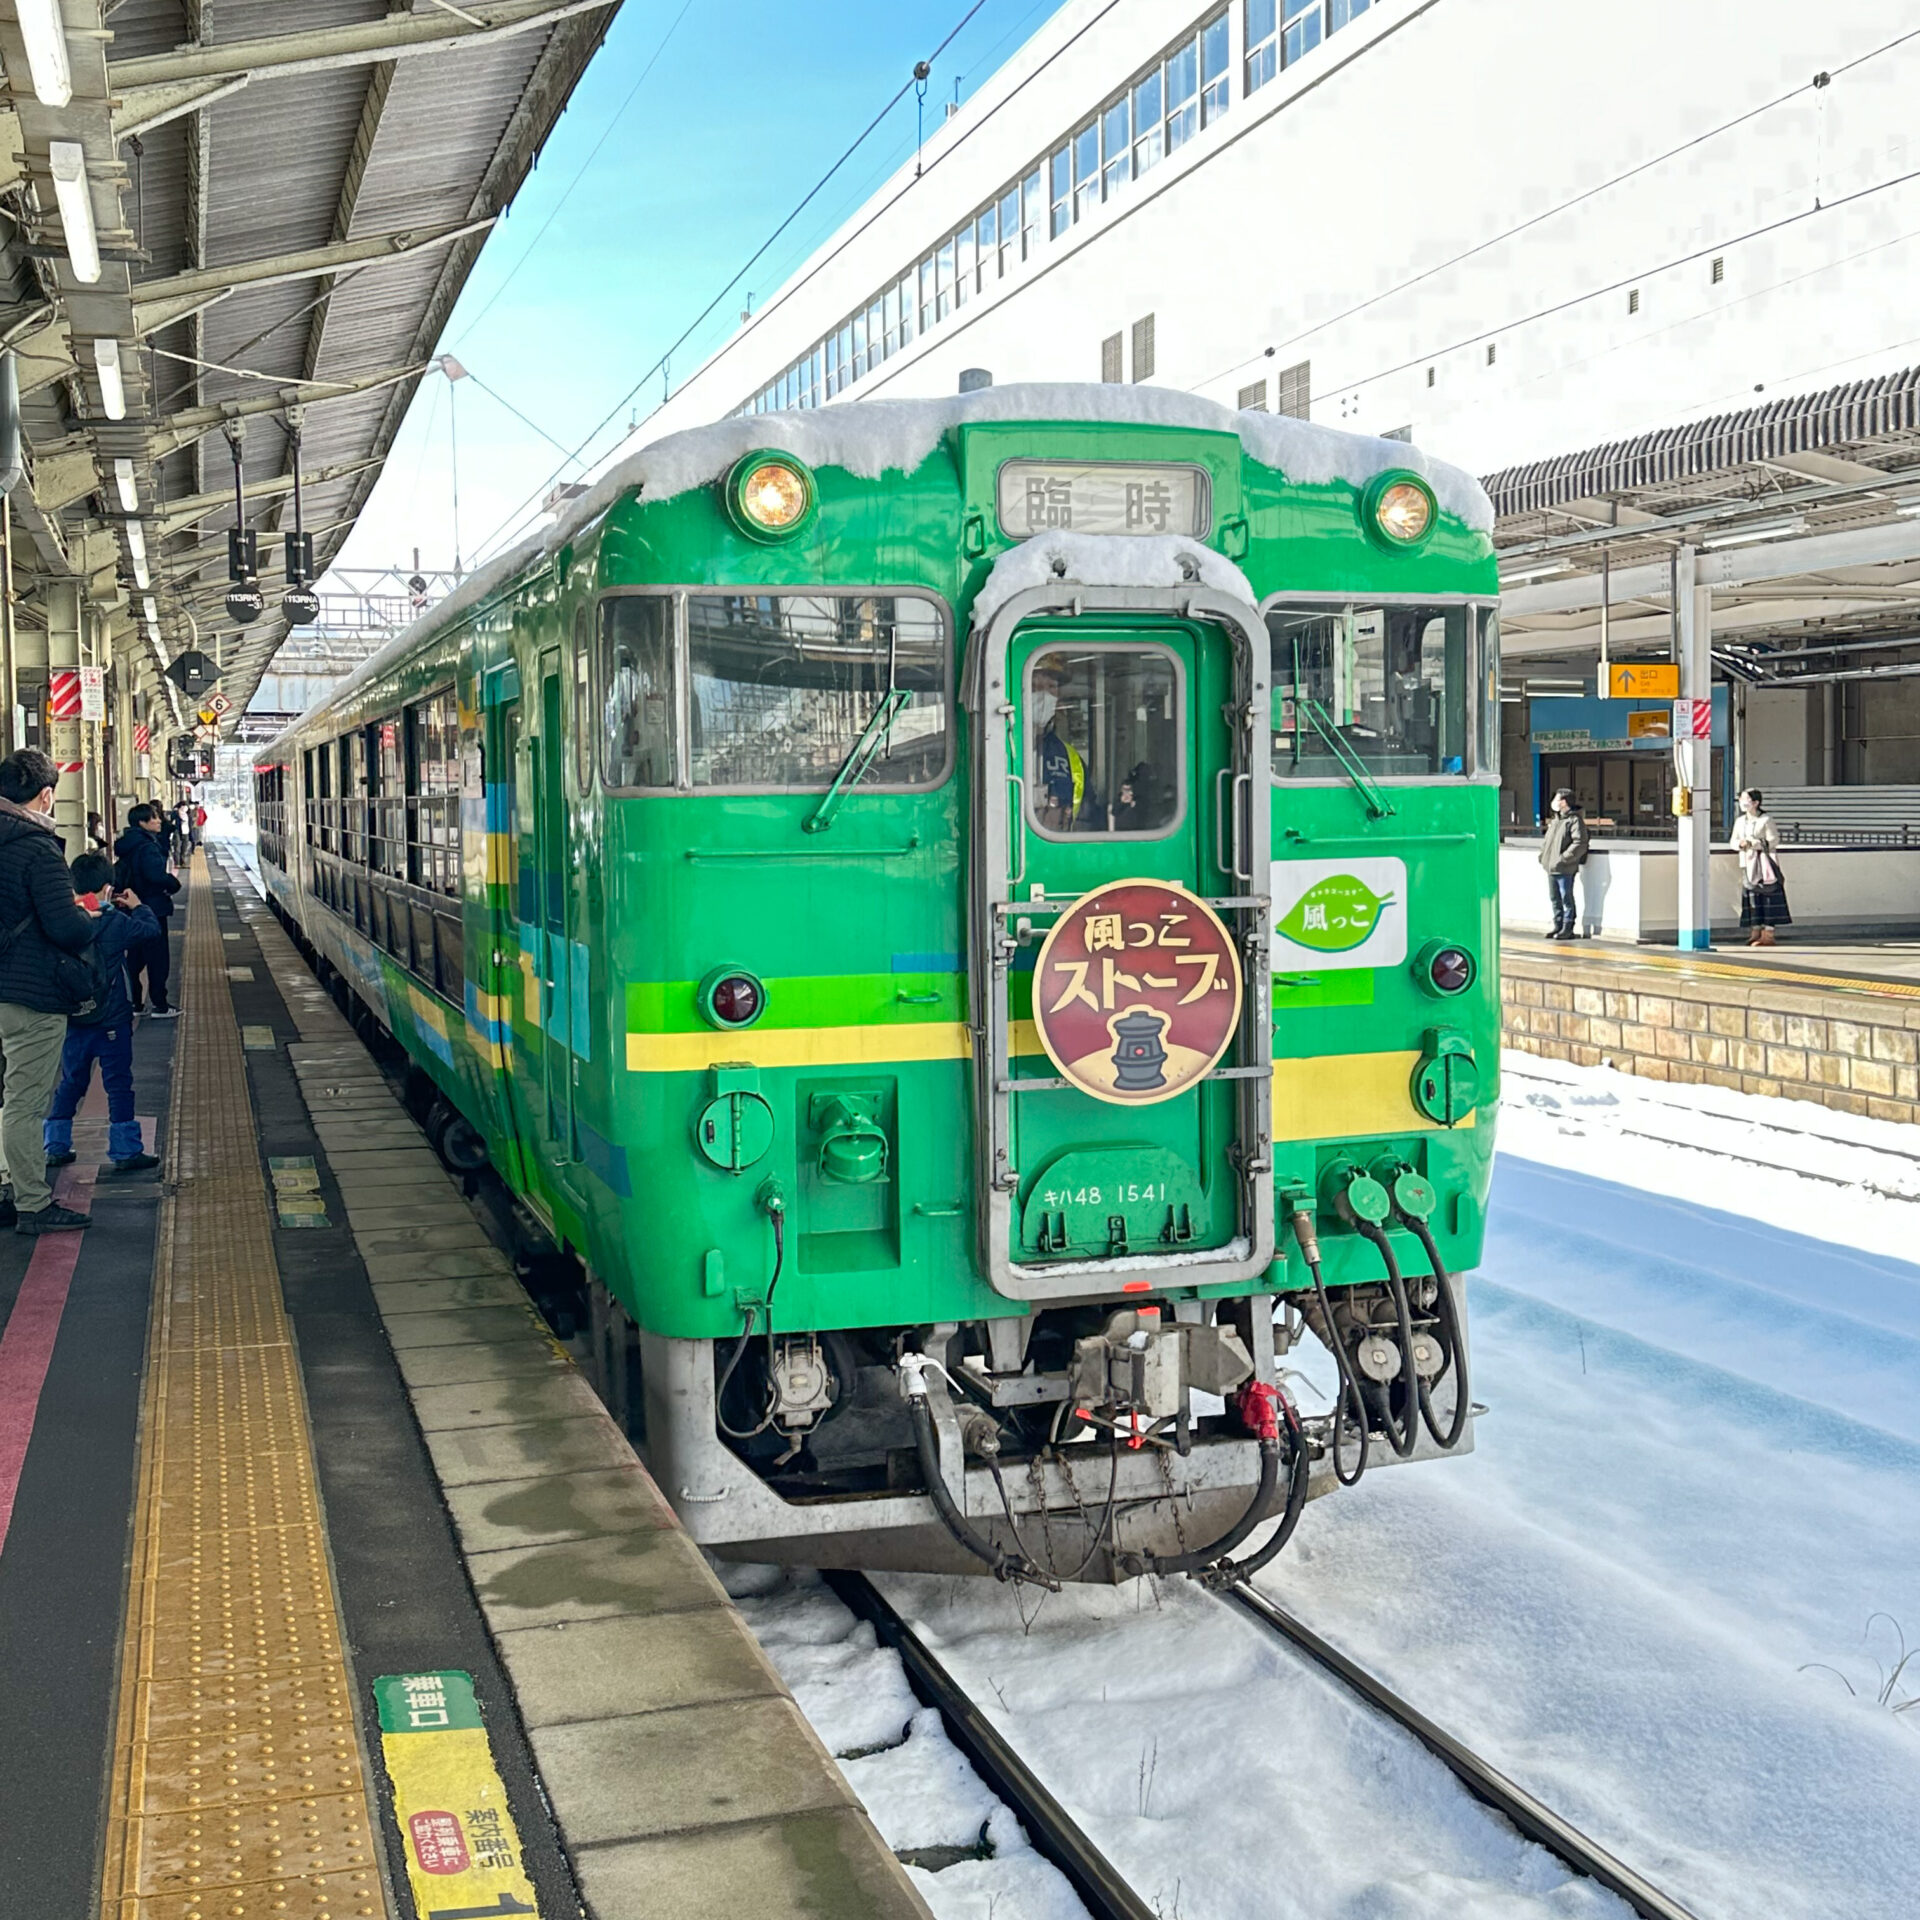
point(1767, 877)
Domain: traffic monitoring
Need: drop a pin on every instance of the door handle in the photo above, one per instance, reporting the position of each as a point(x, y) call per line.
point(1242, 780)
point(1222, 854)
point(1019, 829)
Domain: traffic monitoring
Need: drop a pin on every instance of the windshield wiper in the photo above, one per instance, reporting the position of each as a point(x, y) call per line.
point(1342, 750)
point(867, 747)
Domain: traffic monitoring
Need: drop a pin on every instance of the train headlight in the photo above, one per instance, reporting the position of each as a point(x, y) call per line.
point(731, 997)
point(770, 496)
point(1445, 968)
point(1399, 510)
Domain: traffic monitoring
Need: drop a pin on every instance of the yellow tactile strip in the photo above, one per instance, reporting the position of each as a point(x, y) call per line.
point(238, 1789)
point(1692, 964)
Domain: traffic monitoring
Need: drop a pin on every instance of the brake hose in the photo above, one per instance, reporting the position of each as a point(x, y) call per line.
point(1302, 1224)
point(1454, 1340)
point(1259, 1508)
point(1297, 1476)
point(1003, 1565)
point(1404, 1437)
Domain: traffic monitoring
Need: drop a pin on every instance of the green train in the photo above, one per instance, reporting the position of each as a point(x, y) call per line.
point(974, 921)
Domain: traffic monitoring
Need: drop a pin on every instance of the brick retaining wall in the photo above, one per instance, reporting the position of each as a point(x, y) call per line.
point(1858, 1051)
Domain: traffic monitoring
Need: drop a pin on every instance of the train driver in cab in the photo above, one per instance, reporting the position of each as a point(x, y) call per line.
point(1061, 768)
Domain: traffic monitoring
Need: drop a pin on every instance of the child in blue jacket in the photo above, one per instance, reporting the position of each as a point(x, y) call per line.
point(107, 1035)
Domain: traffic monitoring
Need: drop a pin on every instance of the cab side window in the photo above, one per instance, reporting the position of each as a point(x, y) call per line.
point(638, 706)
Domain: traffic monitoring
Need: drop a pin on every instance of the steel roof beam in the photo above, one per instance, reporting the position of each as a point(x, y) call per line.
point(160, 303)
point(181, 514)
point(160, 87)
point(182, 429)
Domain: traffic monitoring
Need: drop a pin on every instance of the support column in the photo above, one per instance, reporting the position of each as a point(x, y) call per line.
point(1693, 759)
point(66, 616)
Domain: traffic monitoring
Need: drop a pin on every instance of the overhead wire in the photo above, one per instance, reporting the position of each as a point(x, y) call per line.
point(606, 134)
point(847, 240)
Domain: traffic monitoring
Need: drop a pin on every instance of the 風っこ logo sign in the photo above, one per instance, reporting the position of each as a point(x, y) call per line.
point(1339, 913)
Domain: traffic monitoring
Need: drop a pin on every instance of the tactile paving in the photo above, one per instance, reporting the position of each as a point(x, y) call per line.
point(239, 1788)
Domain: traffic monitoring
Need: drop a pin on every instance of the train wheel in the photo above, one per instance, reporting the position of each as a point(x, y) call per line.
point(462, 1146)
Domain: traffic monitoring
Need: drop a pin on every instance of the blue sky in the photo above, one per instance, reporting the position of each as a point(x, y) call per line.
point(747, 104)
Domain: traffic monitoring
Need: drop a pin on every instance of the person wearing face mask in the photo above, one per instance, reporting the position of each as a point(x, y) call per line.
point(1763, 887)
point(1062, 769)
point(43, 931)
point(1563, 853)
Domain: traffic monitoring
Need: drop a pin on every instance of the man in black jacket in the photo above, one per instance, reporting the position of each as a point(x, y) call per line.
point(39, 921)
point(142, 853)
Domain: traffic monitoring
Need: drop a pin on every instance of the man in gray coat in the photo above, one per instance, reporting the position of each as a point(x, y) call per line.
point(1563, 853)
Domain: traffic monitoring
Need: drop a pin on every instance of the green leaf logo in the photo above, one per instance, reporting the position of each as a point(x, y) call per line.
point(1334, 915)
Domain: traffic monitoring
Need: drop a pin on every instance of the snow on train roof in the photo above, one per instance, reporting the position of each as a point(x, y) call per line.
point(870, 438)
point(1106, 560)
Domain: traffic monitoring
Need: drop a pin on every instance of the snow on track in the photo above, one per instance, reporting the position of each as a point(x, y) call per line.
point(1698, 1484)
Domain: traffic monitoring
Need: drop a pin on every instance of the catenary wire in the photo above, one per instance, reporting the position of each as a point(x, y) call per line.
point(827, 259)
point(606, 133)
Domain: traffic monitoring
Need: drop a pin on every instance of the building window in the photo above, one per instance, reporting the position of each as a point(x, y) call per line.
point(927, 314)
point(1143, 349)
point(1149, 138)
point(943, 280)
point(1086, 170)
point(1252, 399)
point(1304, 19)
point(986, 248)
point(1214, 83)
point(1059, 171)
point(1492, 350)
point(1718, 271)
point(1633, 300)
point(1263, 43)
point(1012, 236)
point(963, 255)
point(1429, 376)
point(1183, 94)
point(1110, 350)
point(1033, 205)
point(1294, 391)
point(1339, 12)
point(1116, 146)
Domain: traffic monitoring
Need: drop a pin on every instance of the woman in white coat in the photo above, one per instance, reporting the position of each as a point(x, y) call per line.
point(1763, 887)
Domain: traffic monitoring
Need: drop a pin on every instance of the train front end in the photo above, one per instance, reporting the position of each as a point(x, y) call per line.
point(1059, 935)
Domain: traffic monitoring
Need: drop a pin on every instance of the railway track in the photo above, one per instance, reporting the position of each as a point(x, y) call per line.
point(1102, 1889)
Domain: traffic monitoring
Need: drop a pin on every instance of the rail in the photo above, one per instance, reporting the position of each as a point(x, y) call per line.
point(1055, 1836)
point(1485, 1782)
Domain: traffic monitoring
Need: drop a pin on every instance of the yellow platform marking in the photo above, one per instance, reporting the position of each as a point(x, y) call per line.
point(1334, 1096)
point(1688, 963)
point(462, 1847)
point(238, 1786)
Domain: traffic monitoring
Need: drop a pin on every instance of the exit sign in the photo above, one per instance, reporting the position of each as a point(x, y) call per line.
point(1643, 680)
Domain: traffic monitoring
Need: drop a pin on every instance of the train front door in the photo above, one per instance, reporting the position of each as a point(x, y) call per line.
point(1120, 952)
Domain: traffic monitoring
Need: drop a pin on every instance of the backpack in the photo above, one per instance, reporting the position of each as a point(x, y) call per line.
point(83, 981)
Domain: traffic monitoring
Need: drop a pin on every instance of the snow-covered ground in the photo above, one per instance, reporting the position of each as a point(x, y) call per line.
point(1665, 1593)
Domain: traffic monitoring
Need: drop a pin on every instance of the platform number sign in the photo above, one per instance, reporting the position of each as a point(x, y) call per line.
point(462, 1848)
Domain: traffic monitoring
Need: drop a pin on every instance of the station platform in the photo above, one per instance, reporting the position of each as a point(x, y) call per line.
point(1823, 1020)
point(327, 1586)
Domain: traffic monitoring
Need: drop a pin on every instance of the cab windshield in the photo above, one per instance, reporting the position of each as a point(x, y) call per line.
point(1385, 685)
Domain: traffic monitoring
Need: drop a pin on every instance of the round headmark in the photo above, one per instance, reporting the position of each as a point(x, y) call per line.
point(1136, 993)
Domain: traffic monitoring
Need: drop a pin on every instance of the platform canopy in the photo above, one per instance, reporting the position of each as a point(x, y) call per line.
point(1804, 517)
point(285, 198)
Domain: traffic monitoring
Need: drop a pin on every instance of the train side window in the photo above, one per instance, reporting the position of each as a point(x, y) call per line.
point(1383, 685)
point(306, 788)
point(1105, 742)
point(782, 688)
point(637, 700)
point(582, 701)
point(1487, 677)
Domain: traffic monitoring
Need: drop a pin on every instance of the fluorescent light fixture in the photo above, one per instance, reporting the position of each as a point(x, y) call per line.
point(124, 486)
point(68, 161)
point(45, 33)
point(1757, 530)
point(151, 612)
point(113, 390)
point(137, 548)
